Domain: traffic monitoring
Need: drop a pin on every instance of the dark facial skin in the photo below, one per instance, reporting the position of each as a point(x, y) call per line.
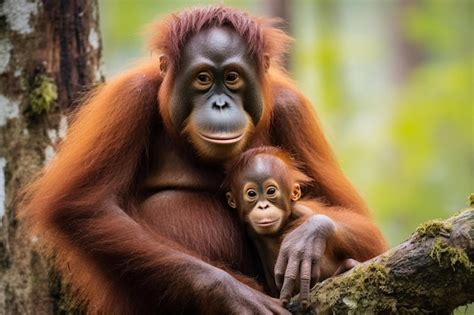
point(216, 98)
point(264, 198)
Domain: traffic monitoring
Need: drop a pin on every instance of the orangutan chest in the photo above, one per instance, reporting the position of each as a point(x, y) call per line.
point(198, 221)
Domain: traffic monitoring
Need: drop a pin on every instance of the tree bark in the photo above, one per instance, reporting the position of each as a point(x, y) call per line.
point(431, 272)
point(49, 51)
point(281, 9)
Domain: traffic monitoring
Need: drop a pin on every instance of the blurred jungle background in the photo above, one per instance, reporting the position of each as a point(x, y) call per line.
point(392, 81)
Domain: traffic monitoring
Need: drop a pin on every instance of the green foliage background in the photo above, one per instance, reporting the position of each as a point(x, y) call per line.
point(392, 81)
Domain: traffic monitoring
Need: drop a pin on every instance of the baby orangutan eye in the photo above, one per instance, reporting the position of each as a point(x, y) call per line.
point(251, 193)
point(271, 190)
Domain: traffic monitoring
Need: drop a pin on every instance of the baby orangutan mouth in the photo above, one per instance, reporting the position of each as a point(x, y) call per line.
point(266, 223)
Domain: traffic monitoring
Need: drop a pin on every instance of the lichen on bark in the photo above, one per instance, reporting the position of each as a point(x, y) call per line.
point(433, 228)
point(45, 65)
point(450, 256)
point(43, 94)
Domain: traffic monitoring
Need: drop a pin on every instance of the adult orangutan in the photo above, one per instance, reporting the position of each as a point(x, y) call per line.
point(129, 204)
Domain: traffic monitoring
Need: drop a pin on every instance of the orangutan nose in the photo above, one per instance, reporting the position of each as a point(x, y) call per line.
point(220, 103)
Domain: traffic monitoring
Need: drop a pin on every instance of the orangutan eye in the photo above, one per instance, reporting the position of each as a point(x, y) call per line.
point(233, 80)
point(251, 193)
point(203, 81)
point(204, 77)
point(232, 77)
point(271, 190)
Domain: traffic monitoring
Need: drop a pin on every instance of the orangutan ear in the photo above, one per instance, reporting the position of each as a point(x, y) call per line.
point(266, 62)
point(296, 194)
point(231, 200)
point(163, 64)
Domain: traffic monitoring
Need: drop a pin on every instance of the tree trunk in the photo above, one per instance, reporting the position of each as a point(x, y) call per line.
point(431, 272)
point(407, 54)
point(282, 10)
point(49, 51)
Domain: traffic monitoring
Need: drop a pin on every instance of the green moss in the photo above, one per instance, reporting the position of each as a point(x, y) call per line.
point(42, 95)
point(447, 255)
point(434, 228)
point(364, 290)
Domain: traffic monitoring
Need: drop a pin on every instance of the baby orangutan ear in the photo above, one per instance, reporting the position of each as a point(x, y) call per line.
point(266, 62)
point(231, 200)
point(163, 65)
point(296, 194)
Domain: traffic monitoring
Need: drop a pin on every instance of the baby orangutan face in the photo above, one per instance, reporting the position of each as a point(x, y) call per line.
point(264, 194)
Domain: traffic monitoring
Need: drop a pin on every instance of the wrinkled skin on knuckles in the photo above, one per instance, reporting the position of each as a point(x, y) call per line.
point(301, 261)
point(300, 257)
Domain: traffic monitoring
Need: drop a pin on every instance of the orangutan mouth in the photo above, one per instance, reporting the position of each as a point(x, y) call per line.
point(222, 138)
point(265, 223)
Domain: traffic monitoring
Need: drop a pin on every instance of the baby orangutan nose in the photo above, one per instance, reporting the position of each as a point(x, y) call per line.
point(263, 205)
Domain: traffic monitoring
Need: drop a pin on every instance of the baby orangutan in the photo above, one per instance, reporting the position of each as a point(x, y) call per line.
point(265, 187)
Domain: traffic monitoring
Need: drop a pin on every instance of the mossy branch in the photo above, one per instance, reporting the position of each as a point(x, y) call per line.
point(433, 271)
